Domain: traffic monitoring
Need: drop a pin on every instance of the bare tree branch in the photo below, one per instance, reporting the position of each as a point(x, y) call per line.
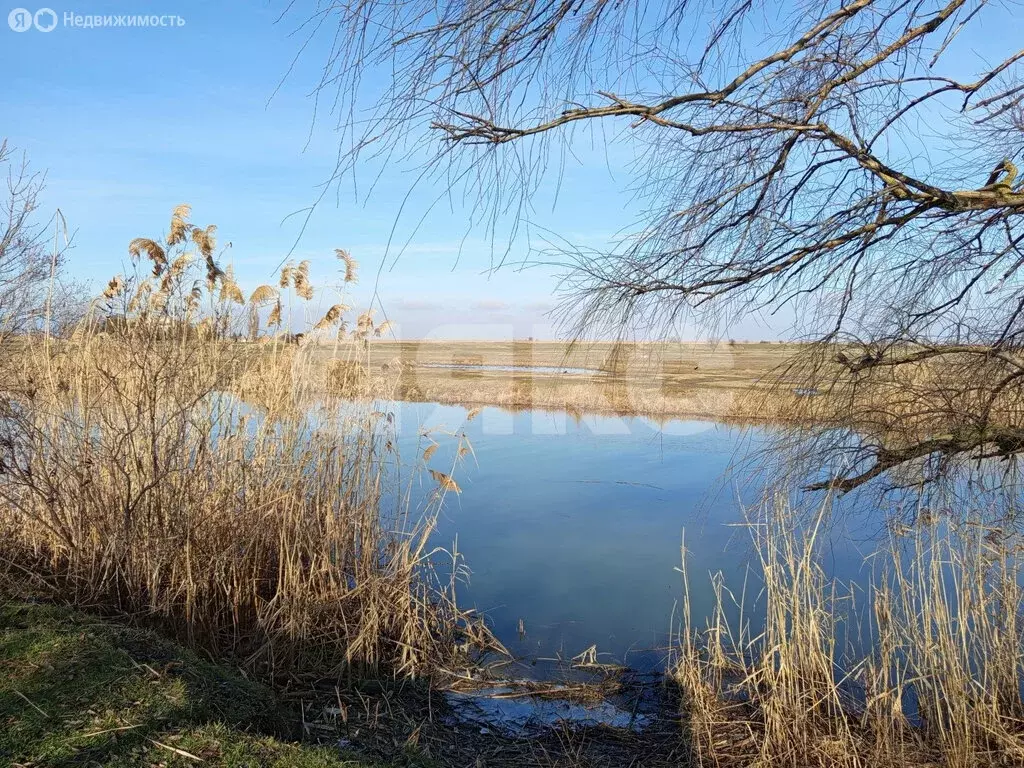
point(840, 158)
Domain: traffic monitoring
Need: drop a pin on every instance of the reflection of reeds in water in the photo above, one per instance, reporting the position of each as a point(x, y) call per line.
point(522, 391)
point(944, 637)
point(136, 480)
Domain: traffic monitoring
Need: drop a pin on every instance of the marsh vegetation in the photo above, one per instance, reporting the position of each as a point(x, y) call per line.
point(137, 480)
point(231, 467)
point(196, 467)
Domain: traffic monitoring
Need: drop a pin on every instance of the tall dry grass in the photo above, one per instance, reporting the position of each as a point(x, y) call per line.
point(935, 678)
point(134, 478)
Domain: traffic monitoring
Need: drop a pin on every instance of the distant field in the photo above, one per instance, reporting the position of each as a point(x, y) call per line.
point(741, 381)
point(672, 379)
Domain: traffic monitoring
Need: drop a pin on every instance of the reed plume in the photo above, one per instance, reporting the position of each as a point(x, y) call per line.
point(263, 294)
point(445, 481)
point(114, 288)
point(275, 314)
point(229, 290)
point(179, 225)
point(205, 239)
point(332, 317)
point(351, 265)
point(152, 250)
point(300, 280)
point(365, 320)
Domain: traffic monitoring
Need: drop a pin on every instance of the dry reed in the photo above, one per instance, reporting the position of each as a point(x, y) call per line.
point(940, 683)
point(134, 479)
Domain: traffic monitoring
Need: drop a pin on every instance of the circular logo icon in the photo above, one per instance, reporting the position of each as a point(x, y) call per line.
point(20, 19)
point(45, 19)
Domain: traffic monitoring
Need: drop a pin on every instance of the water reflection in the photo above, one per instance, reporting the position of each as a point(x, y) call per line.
point(572, 527)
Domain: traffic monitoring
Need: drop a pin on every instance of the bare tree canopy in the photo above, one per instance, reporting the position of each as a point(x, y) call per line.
point(855, 160)
point(24, 264)
point(33, 295)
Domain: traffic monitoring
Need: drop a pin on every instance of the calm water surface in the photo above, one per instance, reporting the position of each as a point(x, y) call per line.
point(575, 527)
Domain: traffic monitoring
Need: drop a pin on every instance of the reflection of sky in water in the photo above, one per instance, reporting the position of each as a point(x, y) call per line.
point(575, 526)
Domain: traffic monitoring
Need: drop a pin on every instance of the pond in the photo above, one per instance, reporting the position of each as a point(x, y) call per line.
point(572, 528)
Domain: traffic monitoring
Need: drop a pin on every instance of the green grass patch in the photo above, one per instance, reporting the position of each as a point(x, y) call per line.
point(78, 690)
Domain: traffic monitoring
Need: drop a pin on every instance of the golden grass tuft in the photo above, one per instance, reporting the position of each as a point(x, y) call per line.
point(179, 266)
point(205, 239)
point(153, 252)
point(331, 318)
point(300, 281)
point(229, 289)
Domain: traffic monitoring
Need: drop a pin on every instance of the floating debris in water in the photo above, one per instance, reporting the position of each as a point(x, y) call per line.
point(510, 711)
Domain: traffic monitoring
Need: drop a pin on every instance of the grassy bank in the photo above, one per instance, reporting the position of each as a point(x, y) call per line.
point(76, 690)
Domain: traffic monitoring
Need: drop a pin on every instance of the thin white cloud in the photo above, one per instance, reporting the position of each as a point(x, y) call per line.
point(539, 306)
point(491, 305)
point(413, 305)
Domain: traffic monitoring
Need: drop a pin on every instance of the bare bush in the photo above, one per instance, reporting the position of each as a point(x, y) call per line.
point(35, 294)
point(25, 264)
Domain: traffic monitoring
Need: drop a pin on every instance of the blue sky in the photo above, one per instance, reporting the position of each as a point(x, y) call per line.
point(129, 122)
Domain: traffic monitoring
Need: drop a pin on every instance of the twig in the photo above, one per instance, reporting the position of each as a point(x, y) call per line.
point(176, 751)
point(107, 730)
point(26, 698)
